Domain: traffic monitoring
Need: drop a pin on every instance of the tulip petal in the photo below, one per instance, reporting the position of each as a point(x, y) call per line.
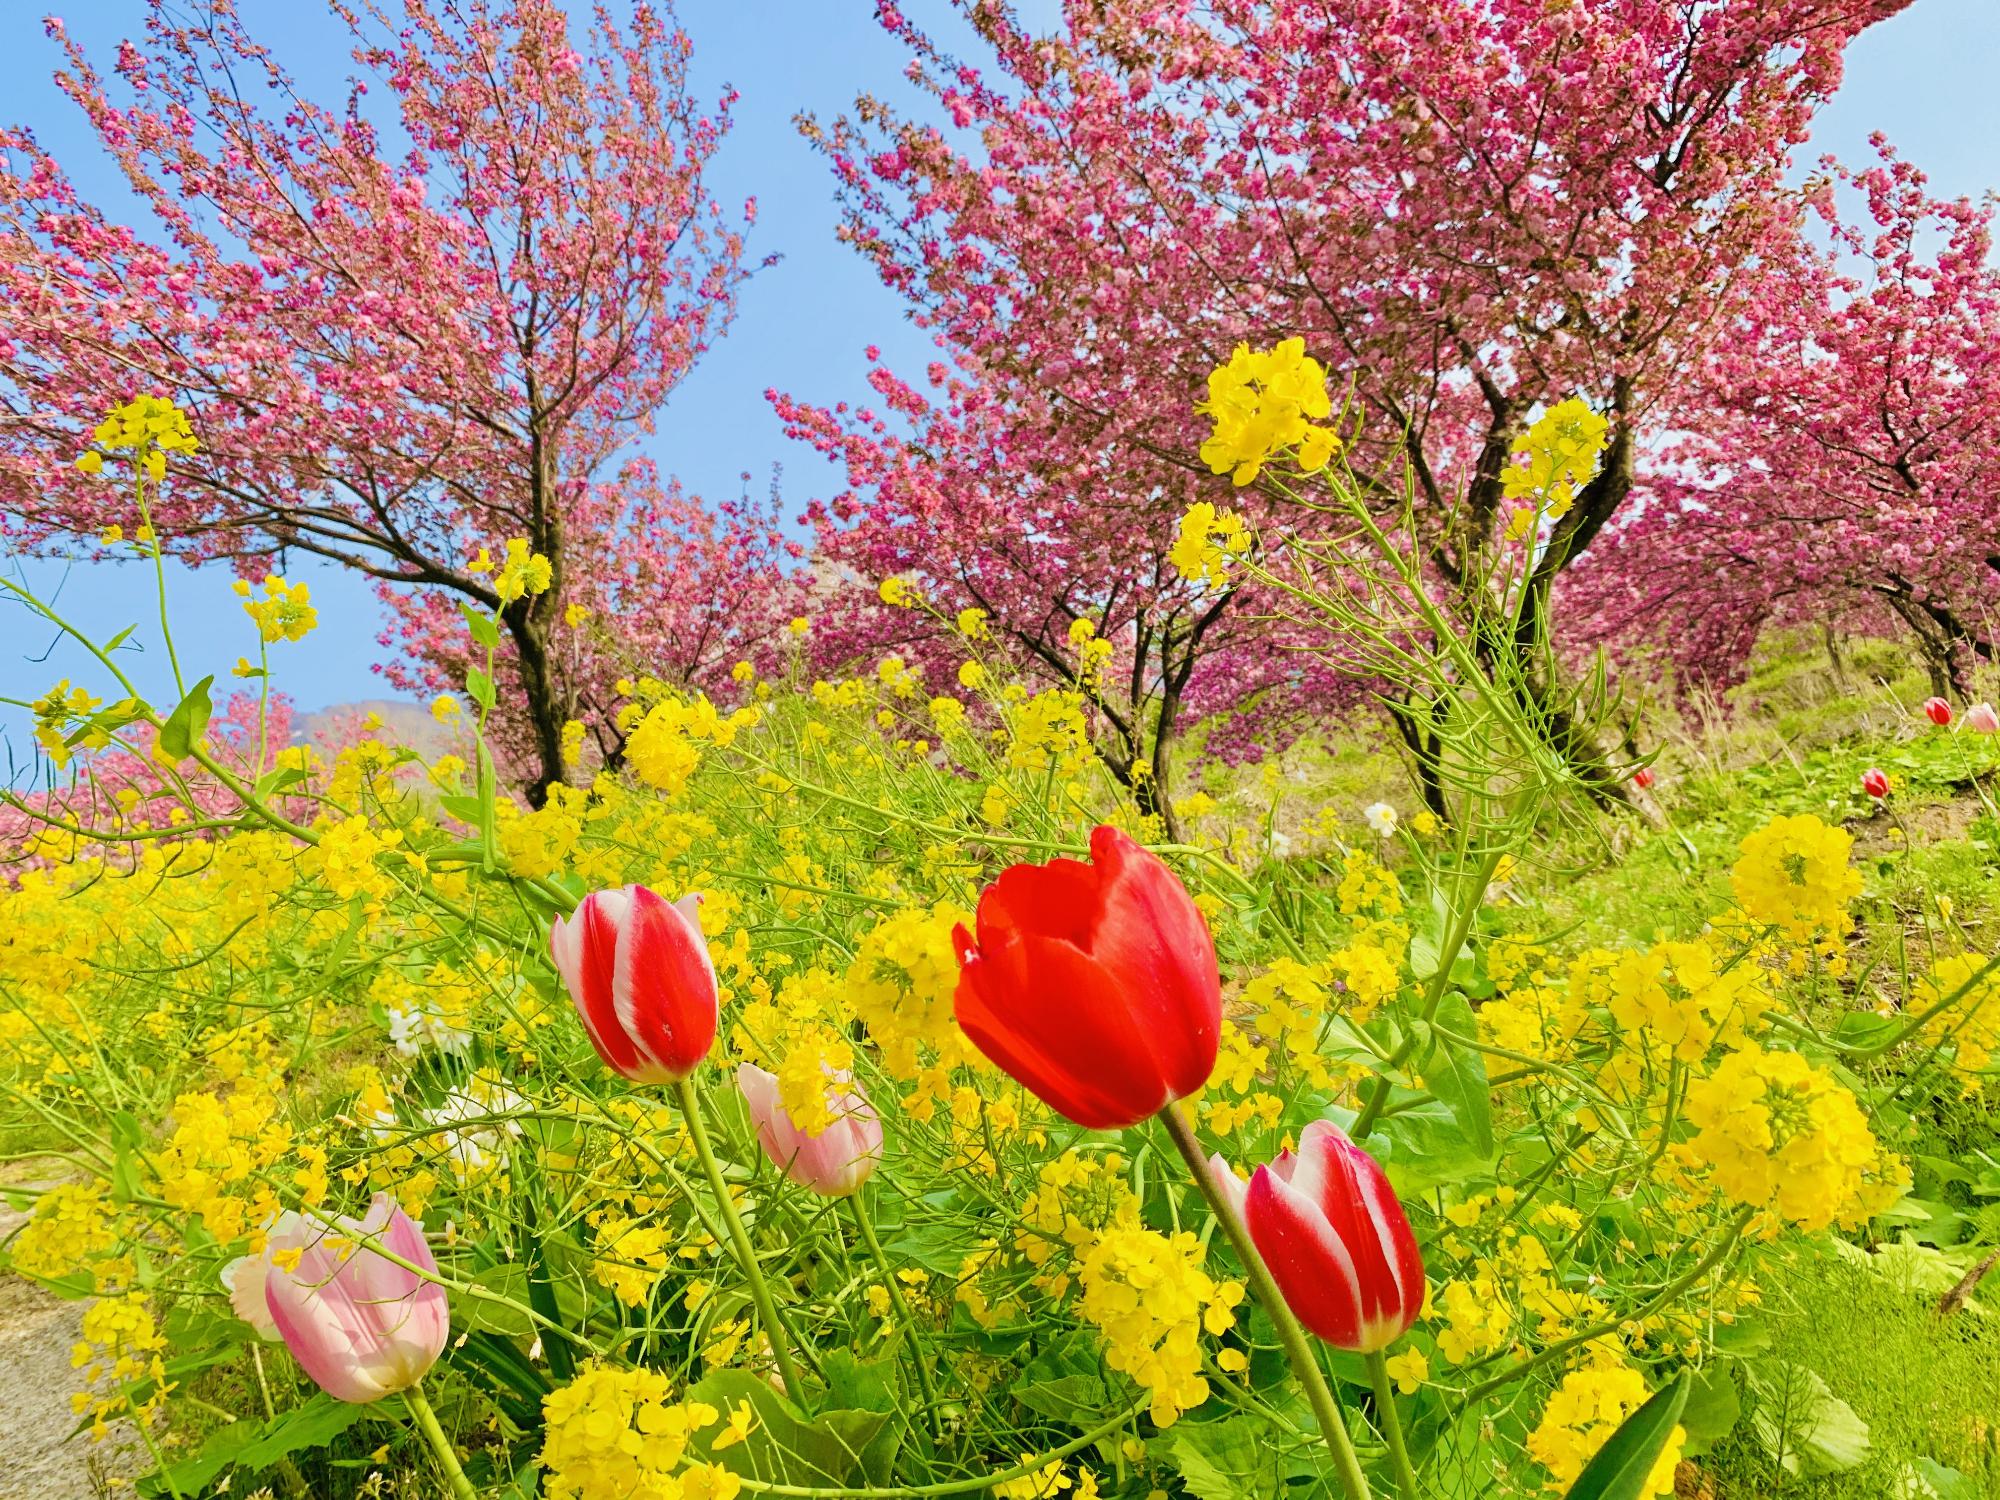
point(1352, 1193)
point(1311, 1266)
point(585, 950)
point(663, 989)
point(1149, 932)
point(1232, 1187)
point(1055, 1021)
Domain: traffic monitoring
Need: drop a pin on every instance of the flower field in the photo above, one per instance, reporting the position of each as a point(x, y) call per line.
point(860, 1094)
point(1352, 855)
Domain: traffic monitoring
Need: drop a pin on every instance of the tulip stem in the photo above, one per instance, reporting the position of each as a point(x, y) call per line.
point(1290, 1335)
point(903, 1313)
point(739, 1239)
point(440, 1444)
point(1391, 1425)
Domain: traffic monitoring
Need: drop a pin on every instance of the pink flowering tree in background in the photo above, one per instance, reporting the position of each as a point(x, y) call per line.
point(397, 349)
point(1841, 464)
point(1469, 210)
point(120, 784)
point(693, 588)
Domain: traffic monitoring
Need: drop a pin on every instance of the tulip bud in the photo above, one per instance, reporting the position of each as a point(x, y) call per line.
point(1981, 719)
point(1643, 777)
point(361, 1325)
point(1875, 783)
point(637, 967)
point(1094, 985)
point(1937, 711)
point(833, 1163)
point(1334, 1237)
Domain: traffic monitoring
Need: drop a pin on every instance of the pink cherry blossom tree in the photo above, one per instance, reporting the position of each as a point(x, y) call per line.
point(1470, 208)
point(1841, 461)
point(398, 346)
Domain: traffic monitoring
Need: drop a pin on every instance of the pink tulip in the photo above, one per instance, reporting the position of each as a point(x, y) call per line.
point(244, 1277)
point(1335, 1238)
point(361, 1325)
point(833, 1163)
point(1874, 783)
point(637, 967)
point(1937, 711)
point(1981, 719)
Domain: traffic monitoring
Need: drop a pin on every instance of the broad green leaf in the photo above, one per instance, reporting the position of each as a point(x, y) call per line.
point(1456, 1074)
point(834, 1448)
point(1620, 1469)
point(1801, 1423)
point(1065, 1381)
point(187, 723)
point(480, 687)
point(509, 1280)
point(480, 624)
point(1233, 1459)
point(1424, 1146)
point(1713, 1408)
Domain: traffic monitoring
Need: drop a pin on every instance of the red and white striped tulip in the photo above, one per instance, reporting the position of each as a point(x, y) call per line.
point(833, 1163)
point(1937, 711)
point(1335, 1238)
point(1875, 783)
point(361, 1325)
point(638, 969)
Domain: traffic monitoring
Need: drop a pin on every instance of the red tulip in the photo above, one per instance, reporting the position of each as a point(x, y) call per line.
point(1643, 777)
point(638, 969)
point(1094, 985)
point(1874, 783)
point(1937, 711)
point(1335, 1238)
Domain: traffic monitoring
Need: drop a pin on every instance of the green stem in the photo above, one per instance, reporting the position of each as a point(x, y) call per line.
point(1391, 1425)
point(865, 1224)
point(1290, 1335)
point(440, 1444)
point(1454, 939)
point(739, 1239)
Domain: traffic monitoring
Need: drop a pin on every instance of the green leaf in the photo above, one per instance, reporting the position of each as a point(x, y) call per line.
point(1713, 1408)
point(480, 624)
point(859, 1384)
point(509, 1280)
point(1801, 1423)
point(1620, 1469)
point(1233, 1459)
point(1424, 1146)
point(187, 723)
point(1065, 1381)
point(1943, 1482)
point(856, 1448)
point(480, 687)
point(275, 781)
point(1458, 1076)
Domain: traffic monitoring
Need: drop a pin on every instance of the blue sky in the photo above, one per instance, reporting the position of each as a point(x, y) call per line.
point(1923, 77)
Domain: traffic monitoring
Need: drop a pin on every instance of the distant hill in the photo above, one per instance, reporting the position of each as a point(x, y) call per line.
point(403, 722)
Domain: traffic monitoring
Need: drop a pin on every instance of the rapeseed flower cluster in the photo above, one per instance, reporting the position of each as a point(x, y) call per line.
point(1781, 1134)
point(1263, 401)
point(1794, 875)
point(1557, 457)
point(1580, 1417)
point(286, 611)
point(148, 427)
point(621, 1432)
point(1151, 1300)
